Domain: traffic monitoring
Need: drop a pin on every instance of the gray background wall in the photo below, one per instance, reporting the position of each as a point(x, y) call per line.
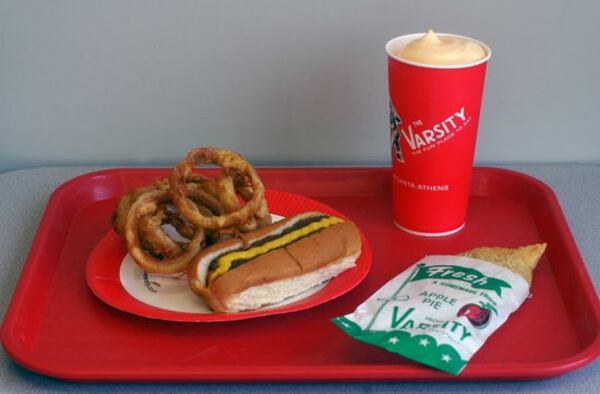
point(284, 82)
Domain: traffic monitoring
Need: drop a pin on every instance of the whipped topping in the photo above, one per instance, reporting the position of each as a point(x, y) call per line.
point(432, 49)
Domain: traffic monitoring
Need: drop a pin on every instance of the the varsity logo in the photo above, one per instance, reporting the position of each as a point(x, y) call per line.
point(437, 134)
point(395, 121)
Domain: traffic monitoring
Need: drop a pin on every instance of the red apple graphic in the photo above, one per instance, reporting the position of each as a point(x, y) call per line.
point(477, 315)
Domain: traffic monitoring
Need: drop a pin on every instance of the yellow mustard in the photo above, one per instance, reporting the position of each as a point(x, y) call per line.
point(224, 262)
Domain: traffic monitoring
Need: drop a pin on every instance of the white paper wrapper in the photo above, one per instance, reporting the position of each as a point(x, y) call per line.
point(439, 311)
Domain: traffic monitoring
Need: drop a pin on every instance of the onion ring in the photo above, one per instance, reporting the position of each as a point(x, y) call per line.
point(208, 184)
point(262, 216)
point(182, 226)
point(228, 196)
point(157, 241)
point(154, 236)
point(148, 204)
point(232, 163)
point(227, 193)
point(200, 197)
point(119, 218)
point(222, 189)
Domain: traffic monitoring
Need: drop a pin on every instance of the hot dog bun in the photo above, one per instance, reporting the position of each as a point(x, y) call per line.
point(275, 262)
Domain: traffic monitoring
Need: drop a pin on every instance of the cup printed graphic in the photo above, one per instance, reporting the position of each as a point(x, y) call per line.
point(395, 135)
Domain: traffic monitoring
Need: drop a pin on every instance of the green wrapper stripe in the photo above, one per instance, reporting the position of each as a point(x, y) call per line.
point(421, 348)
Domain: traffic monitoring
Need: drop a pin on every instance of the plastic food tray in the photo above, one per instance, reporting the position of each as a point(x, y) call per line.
point(57, 327)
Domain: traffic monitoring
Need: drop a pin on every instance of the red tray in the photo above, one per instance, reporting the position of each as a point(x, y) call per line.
point(57, 327)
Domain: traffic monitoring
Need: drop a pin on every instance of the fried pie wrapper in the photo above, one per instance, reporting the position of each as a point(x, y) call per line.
point(442, 309)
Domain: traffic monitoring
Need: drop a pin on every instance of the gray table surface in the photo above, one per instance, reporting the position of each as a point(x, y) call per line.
point(23, 196)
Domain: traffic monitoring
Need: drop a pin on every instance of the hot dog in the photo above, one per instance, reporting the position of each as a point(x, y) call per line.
point(275, 262)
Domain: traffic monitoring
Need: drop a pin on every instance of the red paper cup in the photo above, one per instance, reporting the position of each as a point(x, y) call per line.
point(434, 115)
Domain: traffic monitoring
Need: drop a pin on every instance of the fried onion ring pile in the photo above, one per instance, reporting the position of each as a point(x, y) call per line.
point(200, 210)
